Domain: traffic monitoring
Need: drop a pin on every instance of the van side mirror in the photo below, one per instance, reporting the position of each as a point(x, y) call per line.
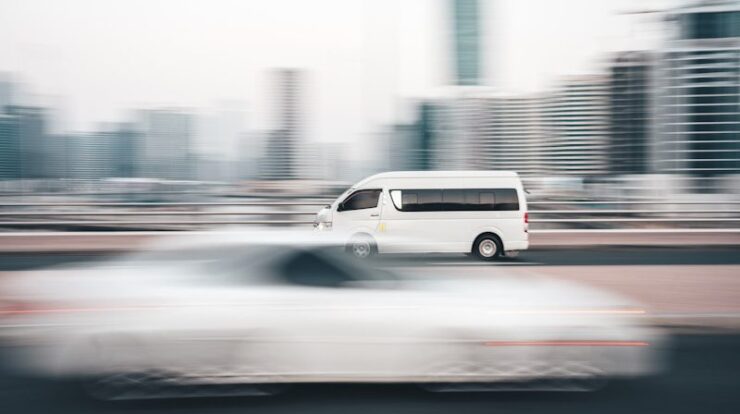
point(340, 207)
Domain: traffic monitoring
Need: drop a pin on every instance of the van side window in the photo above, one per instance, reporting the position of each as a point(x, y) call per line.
point(410, 198)
point(473, 199)
point(506, 199)
point(361, 200)
point(486, 200)
point(430, 200)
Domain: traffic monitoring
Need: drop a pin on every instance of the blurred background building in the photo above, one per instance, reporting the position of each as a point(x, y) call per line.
point(698, 109)
point(512, 135)
point(166, 152)
point(577, 124)
point(631, 100)
point(467, 40)
point(281, 153)
point(672, 109)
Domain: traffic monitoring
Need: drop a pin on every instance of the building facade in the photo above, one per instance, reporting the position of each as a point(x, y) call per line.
point(280, 158)
point(576, 118)
point(698, 104)
point(631, 96)
point(467, 42)
point(511, 135)
point(166, 141)
point(10, 148)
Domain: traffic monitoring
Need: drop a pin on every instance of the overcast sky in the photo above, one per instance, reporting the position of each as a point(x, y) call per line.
point(365, 59)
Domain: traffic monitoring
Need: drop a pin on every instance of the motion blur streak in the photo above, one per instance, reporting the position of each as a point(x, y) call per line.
point(543, 195)
point(249, 309)
point(566, 343)
point(135, 308)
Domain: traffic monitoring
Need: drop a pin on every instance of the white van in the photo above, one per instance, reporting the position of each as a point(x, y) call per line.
point(478, 212)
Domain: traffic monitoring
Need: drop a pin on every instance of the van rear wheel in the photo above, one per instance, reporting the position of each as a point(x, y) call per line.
point(487, 247)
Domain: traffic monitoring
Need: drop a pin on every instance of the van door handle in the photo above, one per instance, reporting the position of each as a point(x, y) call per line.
point(374, 215)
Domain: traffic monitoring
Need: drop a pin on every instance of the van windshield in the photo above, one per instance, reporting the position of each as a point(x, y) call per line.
point(346, 193)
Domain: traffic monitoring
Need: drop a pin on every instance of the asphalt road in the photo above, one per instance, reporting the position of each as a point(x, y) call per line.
point(702, 378)
point(566, 256)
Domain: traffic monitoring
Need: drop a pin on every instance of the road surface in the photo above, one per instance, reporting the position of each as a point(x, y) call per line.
point(564, 256)
point(703, 379)
point(701, 282)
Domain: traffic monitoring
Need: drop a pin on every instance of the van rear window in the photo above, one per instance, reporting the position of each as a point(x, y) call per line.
point(469, 199)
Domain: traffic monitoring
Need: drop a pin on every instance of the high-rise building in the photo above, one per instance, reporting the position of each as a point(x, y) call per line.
point(167, 136)
point(511, 135)
point(467, 42)
point(698, 105)
point(280, 155)
point(577, 127)
point(6, 92)
point(565, 132)
point(411, 145)
point(125, 144)
point(631, 95)
point(401, 147)
point(89, 156)
point(30, 124)
point(425, 125)
point(10, 148)
point(456, 120)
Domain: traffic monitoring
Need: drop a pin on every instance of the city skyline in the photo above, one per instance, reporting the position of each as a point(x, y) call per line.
point(386, 53)
point(670, 109)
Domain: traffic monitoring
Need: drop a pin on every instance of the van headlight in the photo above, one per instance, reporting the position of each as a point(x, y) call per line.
point(322, 226)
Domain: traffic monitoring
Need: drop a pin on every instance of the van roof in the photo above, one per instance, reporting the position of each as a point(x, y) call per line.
point(443, 174)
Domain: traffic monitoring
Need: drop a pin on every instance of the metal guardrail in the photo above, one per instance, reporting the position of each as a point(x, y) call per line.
point(154, 223)
point(574, 216)
point(322, 203)
point(305, 213)
point(167, 204)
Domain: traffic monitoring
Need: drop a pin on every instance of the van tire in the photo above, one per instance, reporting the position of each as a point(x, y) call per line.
point(362, 246)
point(488, 246)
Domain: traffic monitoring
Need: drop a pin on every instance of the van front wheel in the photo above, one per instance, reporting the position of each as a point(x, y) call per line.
point(487, 247)
point(362, 247)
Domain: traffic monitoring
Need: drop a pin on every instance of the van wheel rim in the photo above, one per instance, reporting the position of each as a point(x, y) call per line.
point(361, 249)
point(487, 248)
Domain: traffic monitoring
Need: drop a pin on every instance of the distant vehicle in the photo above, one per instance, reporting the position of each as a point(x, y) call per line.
point(478, 212)
point(246, 314)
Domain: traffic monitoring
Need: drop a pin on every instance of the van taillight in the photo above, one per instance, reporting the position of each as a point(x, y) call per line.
point(526, 217)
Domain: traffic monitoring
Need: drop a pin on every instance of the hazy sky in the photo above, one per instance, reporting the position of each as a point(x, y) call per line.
point(97, 59)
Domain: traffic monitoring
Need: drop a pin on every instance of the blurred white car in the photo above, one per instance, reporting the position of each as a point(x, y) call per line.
point(244, 313)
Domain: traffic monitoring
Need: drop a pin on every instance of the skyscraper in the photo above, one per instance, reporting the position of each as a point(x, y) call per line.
point(6, 92)
point(280, 155)
point(456, 119)
point(125, 146)
point(467, 42)
point(577, 125)
point(89, 156)
point(10, 148)
point(698, 105)
point(166, 144)
point(30, 124)
point(511, 135)
point(411, 145)
point(631, 95)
